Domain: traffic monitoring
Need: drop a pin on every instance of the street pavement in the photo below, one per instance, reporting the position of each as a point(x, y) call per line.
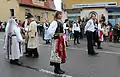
point(79, 63)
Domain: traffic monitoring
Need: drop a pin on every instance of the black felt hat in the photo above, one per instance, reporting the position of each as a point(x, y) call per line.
point(29, 15)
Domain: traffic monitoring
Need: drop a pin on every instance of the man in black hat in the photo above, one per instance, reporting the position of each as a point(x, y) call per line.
point(32, 40)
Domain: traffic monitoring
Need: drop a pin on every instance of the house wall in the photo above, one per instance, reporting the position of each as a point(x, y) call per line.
point(6, 5)
point(36, 12)
point(69, 3)
point(86, 12)
point(19, 11)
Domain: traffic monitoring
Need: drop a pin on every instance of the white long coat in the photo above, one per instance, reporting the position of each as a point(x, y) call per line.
point(33, 36)
point(13, 49)
point(46, 36)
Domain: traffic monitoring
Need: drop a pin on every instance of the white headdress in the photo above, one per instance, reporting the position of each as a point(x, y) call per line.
point(10, 25)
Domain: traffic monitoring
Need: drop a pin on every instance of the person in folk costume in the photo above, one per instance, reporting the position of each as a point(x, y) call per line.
point(81, 28)
point(118, 33)
point(110, 35)
point(89, 30)
point(46, 37)
point(66, 31)
point(25, 26)
point(100, 34)
point(115, 33)
point(12, 42)
point(32, 37)
point(106, 31)
point(58, 52)
point(76, 32)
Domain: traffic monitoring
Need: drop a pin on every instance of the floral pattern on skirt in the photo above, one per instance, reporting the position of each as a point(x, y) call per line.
point(55, 55)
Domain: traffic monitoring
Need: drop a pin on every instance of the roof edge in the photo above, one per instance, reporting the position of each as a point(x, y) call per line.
point(34, 6)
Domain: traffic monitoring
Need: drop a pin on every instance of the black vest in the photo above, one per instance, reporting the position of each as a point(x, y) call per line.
point(47, 25)
point(59, 27)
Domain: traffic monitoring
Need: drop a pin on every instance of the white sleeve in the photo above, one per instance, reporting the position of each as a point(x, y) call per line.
point(87, 26)
point(73, 28)
point(79, 28)
point(52, 29)
point(25, 25)
point(18, 34)
point(99, 27)
point(5, 35)
point(44, 25)
point(64, 26)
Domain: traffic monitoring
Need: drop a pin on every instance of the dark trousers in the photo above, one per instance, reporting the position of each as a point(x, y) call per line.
point(99, 44)
point(89, 42)
point(95, 37)
point(38, 29)
point(76, 36)
point(82, 33)
point(47, 41)
point(115, 38)
point(57, 66)
point(26, 51)
point(33, 52)
point(41, 30)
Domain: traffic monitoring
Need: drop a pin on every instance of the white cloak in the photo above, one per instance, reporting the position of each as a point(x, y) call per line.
point(46, 37)
point(13, 49)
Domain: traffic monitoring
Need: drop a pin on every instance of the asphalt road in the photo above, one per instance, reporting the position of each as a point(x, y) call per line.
point(79, 63)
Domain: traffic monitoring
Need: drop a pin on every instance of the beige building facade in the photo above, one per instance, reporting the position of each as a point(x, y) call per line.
point(84, 8)
point(6, 5)
point(21, 7)
point(70, 3)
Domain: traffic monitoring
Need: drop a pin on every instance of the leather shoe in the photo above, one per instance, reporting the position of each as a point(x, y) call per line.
point(93, 54)
point(75, 44)
point(62, 71)
point(99, 48)
point(19, 63)
point(15, 62)
point(58, 72)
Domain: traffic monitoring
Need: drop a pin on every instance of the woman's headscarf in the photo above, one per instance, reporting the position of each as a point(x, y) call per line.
point(10, 25)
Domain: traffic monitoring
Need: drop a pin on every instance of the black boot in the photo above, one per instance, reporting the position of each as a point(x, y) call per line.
point(78, 42)
point(15, 62)
point(57, 69)
point(26, 49)
point(29, 53)
point(46, 41)
point(66, 44)
point(75, 43)
point(35, 53)
point(12, 61)
point(99, 45)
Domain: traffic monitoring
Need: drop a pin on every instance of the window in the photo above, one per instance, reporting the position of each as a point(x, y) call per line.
point(27, 11)
point(42, 15)
point(38, 17)
point(46, 15)
point(11, 12)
